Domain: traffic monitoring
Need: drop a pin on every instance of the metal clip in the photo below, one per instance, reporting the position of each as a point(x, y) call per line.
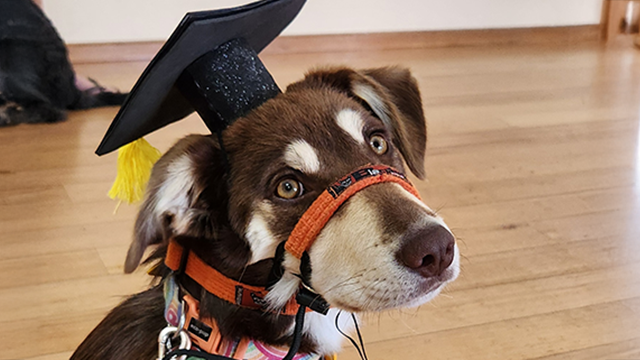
point(164, 341)
point(183, 316)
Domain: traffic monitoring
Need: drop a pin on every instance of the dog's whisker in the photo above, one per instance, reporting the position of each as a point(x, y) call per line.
point(406, 325)
point(345, 282)
point(442, 294)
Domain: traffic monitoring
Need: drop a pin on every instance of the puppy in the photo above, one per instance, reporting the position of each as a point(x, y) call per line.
point(382, 249)
point(37, 82)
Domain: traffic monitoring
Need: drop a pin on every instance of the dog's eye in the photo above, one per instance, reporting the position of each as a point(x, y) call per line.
point(289, 189)
point(378, 144)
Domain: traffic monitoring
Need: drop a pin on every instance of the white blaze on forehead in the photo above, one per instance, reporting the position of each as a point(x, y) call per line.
point(302, 156)
point(351, 122)
point(262, 242)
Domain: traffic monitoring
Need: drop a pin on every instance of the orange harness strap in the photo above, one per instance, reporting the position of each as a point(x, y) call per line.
point(323, 208)
point(213, 281)
point(205, 334)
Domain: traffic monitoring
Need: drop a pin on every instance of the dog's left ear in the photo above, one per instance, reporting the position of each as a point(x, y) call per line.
point(393, 96)
point(185, 194)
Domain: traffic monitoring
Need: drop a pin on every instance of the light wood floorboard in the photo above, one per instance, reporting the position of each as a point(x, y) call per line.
point(533, 160)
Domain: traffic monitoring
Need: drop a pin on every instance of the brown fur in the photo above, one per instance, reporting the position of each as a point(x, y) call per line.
point(129, 331)
point(401, 95)
point(220, 203)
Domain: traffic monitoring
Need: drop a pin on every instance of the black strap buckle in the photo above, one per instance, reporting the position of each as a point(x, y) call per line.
point(276, 270)
point(307, 297)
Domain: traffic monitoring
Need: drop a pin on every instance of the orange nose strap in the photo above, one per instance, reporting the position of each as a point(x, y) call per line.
point(323, 208)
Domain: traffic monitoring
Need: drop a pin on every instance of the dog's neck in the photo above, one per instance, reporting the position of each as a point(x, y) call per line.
point(319, 336)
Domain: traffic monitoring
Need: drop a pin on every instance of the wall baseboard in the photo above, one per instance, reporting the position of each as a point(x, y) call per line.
point(144, 51)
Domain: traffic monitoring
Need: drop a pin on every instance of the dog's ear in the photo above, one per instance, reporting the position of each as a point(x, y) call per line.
point(392, 94)
point(409, 127)
point(185, 187)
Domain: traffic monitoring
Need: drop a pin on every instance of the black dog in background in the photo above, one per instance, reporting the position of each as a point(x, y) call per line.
point(37, 81)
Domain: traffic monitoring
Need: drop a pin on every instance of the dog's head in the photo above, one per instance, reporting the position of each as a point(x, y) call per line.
point(382, 249)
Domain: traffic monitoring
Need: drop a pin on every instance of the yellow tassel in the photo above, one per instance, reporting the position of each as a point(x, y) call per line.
point(135, 161)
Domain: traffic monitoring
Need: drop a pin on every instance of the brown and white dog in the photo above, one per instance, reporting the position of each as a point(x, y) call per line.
point(382, 249)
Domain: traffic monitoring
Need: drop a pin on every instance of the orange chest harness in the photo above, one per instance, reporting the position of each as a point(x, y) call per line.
point(204, 332)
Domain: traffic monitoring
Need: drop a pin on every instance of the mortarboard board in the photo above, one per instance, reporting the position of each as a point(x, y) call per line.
point(209, 64)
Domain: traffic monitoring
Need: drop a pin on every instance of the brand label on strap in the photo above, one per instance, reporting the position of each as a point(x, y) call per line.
point(343, 184)
point(249, 298)
point(200, 329)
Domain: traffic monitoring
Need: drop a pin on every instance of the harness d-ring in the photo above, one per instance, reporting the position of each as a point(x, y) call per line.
point(165, 337)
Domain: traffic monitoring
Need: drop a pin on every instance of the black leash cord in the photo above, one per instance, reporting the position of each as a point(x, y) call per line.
point(355, 322)
point(297, 333)
point(362, 353)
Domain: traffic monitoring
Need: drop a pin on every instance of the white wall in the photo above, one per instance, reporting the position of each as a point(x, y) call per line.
point(94, 21)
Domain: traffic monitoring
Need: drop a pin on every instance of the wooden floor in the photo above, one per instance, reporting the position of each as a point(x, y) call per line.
point(533, 159)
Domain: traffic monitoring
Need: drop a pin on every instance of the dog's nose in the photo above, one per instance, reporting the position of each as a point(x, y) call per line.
point(428, 250)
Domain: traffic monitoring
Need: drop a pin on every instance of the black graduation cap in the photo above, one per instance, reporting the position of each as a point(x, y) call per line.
point(209, 64)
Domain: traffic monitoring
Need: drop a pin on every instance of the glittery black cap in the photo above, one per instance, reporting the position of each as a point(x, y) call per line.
point(210, 65)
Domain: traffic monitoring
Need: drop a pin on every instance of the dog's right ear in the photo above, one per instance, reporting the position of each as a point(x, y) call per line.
point(185, 185)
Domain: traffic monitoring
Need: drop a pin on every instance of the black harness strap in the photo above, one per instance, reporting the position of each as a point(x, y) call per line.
point(193, 354)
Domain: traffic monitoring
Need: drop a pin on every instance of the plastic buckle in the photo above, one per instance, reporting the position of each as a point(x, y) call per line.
point(307, 297)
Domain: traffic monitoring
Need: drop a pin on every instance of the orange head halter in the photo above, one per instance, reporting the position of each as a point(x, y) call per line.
point(299, 241)
point(323, 208)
